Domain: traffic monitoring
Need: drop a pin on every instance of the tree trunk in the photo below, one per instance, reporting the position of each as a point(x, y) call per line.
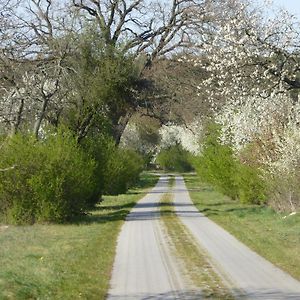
point(16, 124)
point(120, 126)
point(38, 122)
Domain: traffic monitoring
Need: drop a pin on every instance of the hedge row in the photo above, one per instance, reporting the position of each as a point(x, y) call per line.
point(55, 179)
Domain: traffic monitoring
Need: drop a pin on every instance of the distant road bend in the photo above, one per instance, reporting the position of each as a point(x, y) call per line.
point(145, 269)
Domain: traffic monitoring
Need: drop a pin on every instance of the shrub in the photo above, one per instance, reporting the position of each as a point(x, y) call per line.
point(134, 163)
point(52, 181)
point(117, 169)
point(283, 190)
point(100, 148)
point(174, 158)
point(121, 170)
point(252, 188)
point(218, 166)
point(65, 183)
point(16, 201)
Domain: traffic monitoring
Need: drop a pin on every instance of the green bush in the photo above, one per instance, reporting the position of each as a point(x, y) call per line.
point(122, 170)
point(52, 181)
point(252, 188)
point(174, 158)
point(100, 148)
point(16, 200)
point(64, 185)
point(134, 166)
point(217, 166)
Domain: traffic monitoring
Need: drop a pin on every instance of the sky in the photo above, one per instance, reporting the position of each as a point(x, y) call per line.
point(291, 5)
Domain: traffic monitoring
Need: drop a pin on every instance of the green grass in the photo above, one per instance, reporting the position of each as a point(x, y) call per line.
point(261, 228)
point(71, 261)
point(194, 261)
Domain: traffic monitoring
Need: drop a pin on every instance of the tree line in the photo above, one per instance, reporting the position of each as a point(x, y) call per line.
point(77, 75)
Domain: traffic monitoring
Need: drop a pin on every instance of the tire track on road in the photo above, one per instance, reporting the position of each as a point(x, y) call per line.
point(144, 268)
point(250, 275)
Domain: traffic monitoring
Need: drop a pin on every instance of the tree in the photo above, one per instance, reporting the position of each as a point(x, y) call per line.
point(252, 62)
point(156, 28)
point(149, 33)
point(33, 49)
point(40, 36)
point(105, 85)
point(251, 53)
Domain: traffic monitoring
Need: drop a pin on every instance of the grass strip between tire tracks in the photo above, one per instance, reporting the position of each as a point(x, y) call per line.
point(193, 259)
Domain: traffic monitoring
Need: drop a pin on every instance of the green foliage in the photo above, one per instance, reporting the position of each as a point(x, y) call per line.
point(16, 199)
point(52, 180)
point(55, 179)
point(174, 158)
point(117, 169)
point(252, 188)
point(104, 80)
point(99, 147)
point(217, 166)
point(64, 184)
point(121, 170)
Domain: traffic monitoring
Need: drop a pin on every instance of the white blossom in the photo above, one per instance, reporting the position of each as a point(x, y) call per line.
point(187, 136)
point(273, 121)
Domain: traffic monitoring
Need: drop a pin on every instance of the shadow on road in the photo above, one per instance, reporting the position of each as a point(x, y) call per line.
point(193, 295)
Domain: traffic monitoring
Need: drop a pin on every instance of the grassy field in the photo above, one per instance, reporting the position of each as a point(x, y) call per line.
point(194, 262)
point(71, 261)
point(262, 229)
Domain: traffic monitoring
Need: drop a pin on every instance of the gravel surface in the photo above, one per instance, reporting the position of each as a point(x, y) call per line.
point(144, 267)
point(250, 275)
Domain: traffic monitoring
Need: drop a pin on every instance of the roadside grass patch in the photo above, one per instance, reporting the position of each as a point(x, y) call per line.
point(259, 227)
point(69, 261)
point(194, 260)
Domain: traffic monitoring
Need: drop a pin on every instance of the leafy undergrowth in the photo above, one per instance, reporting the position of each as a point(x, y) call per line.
point(71, 261)
point(261, 228)
point(194, 260)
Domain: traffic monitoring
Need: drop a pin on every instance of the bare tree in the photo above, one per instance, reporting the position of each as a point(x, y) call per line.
point(35, 41)
point(149, 32)
point(155, 27)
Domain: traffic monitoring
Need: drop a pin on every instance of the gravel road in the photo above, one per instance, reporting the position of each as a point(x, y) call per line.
point(250, 275)
point(144, 267)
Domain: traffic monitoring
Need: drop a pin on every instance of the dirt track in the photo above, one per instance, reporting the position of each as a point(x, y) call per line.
point(251, 276)
point(145, 269)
